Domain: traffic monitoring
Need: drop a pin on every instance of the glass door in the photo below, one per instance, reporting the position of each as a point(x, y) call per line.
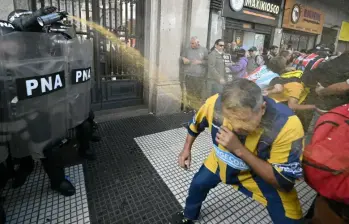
point(259, 42)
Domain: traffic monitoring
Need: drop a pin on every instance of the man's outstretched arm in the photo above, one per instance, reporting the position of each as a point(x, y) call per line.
point(195, 127)
point(334, 89)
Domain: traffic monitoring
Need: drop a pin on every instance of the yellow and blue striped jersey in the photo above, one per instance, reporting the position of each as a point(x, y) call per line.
point(279, 141)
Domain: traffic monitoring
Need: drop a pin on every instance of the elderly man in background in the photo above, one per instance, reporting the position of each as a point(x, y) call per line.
point(194, 61)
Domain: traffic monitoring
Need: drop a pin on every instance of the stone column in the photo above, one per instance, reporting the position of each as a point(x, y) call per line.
point(200, 13)
point(21, 4)
point(163, 45)
point(318, 39)
point(217, 23)
point(277, 32)
point(277, 36)
point(6, 8)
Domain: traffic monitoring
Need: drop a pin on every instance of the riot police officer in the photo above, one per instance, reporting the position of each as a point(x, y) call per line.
point(37, 143)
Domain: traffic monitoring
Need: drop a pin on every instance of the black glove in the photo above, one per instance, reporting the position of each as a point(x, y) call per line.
point(30, 23)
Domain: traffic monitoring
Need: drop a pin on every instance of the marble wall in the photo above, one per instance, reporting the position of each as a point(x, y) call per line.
point(200, 11)
point(168, 27)
point(6, 8)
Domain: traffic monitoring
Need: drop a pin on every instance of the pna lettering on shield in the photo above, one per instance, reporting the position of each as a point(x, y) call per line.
point(39, 85)
point(81, 75)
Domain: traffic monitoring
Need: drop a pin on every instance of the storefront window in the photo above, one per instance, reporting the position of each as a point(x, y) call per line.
point(329, 37)
point(228, 35)
point(298, 41)
point(246, 39)
point(259, 42)
point(303, 41)
point(285, 38)
point(231, 35)
point(294, 42)
point(311, 42)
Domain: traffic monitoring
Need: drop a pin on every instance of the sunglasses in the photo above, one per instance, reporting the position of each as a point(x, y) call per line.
point(221, 45)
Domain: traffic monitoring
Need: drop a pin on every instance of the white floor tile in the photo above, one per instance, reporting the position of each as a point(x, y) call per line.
point(35, 202)
point(223, 204)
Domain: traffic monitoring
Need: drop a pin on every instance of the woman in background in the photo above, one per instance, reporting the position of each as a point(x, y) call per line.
point(239, 68)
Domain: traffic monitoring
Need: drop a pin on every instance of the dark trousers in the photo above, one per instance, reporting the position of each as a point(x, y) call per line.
point(54, 171)
point(194, 87)
point(84, 132)
point(203, 181)
point(328, 211)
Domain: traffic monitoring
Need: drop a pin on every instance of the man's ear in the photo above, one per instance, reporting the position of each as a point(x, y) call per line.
point(264, 106)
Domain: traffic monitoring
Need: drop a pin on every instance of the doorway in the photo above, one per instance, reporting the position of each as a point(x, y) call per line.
point(118, 73)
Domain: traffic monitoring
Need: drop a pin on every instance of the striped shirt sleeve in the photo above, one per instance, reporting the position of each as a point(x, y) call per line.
point(199, 121)
point(286, 153)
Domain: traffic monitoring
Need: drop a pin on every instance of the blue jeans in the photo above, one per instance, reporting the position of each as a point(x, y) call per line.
point(203, 181)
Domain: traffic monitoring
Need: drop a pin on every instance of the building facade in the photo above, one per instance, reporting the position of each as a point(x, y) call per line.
point(250, 23)
point(161, 30)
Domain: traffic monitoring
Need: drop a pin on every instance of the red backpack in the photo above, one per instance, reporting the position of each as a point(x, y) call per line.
point(326, 159)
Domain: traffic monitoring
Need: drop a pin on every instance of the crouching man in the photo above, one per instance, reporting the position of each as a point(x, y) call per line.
point(257, 148)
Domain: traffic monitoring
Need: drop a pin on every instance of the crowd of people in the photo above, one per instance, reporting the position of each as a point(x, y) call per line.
point(267, 114)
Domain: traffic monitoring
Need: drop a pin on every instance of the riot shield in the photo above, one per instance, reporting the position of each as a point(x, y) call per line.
point(79, 77)
point(36, 67)
point(4, 117)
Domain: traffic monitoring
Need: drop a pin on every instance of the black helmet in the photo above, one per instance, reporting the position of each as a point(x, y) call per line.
point(5, 27)
point(17, 14)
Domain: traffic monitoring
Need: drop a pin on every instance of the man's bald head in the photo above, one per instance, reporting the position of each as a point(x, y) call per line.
point(194, 42)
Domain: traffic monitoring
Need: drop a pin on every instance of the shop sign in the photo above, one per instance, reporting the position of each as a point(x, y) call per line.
point(303, 18)
point(344, 33)
point(237, 5)
point(264, 12)
point(263, 6)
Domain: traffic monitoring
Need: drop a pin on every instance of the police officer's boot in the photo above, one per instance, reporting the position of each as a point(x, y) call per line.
point(26, 167)
point(57, 178)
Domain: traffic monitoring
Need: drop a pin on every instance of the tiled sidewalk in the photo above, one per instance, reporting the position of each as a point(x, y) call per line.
point(35, 202)
point(223, 204)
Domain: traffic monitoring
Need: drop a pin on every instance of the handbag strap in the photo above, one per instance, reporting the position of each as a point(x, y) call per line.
point(323, 168)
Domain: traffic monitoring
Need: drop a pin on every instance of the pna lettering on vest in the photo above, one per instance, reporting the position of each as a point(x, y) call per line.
point(81, 75)
point(6, 24)
point(39, 85)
